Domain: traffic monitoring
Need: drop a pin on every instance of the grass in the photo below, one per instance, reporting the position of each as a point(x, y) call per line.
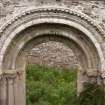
point(50, 86)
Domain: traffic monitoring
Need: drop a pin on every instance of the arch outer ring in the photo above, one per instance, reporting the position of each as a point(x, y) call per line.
point(56, 9)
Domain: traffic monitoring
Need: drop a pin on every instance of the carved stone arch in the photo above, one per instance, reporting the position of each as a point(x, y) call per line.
point(60, 15)
point(39, 30)
point(71, 27)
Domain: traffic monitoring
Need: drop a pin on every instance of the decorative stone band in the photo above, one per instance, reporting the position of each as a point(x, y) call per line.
point(56, 9)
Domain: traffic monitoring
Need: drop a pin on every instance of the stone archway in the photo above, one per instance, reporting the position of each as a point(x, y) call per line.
point(35, 26)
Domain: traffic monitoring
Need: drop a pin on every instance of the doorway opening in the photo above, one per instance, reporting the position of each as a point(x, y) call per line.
point(50, 86)
point(51, 76)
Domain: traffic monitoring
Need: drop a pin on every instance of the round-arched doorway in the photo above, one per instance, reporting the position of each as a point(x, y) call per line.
point(43, 25)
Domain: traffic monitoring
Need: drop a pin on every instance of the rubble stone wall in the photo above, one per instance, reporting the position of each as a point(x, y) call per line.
point(53, 54)
point(93, 8)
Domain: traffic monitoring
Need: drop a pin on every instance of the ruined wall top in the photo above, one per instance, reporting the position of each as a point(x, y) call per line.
point(93, 8)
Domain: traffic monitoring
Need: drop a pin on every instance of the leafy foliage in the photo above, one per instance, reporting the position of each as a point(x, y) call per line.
point(50, 86)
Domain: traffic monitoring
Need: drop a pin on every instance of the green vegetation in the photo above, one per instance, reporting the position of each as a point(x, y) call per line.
point(50, 86)
point(93, 94)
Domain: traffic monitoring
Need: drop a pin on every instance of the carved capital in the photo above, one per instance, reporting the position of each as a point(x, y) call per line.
point(91, 72)
point(11, 74)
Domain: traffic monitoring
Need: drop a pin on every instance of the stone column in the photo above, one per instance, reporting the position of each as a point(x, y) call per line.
point(19, 86)
point(3, 90)
point(81, 78)
point(10, 88)
point(15, 88)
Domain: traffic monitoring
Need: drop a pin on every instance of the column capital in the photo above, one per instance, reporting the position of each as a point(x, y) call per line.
point(79, 68)
point(92, 72)
point(10, 74)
